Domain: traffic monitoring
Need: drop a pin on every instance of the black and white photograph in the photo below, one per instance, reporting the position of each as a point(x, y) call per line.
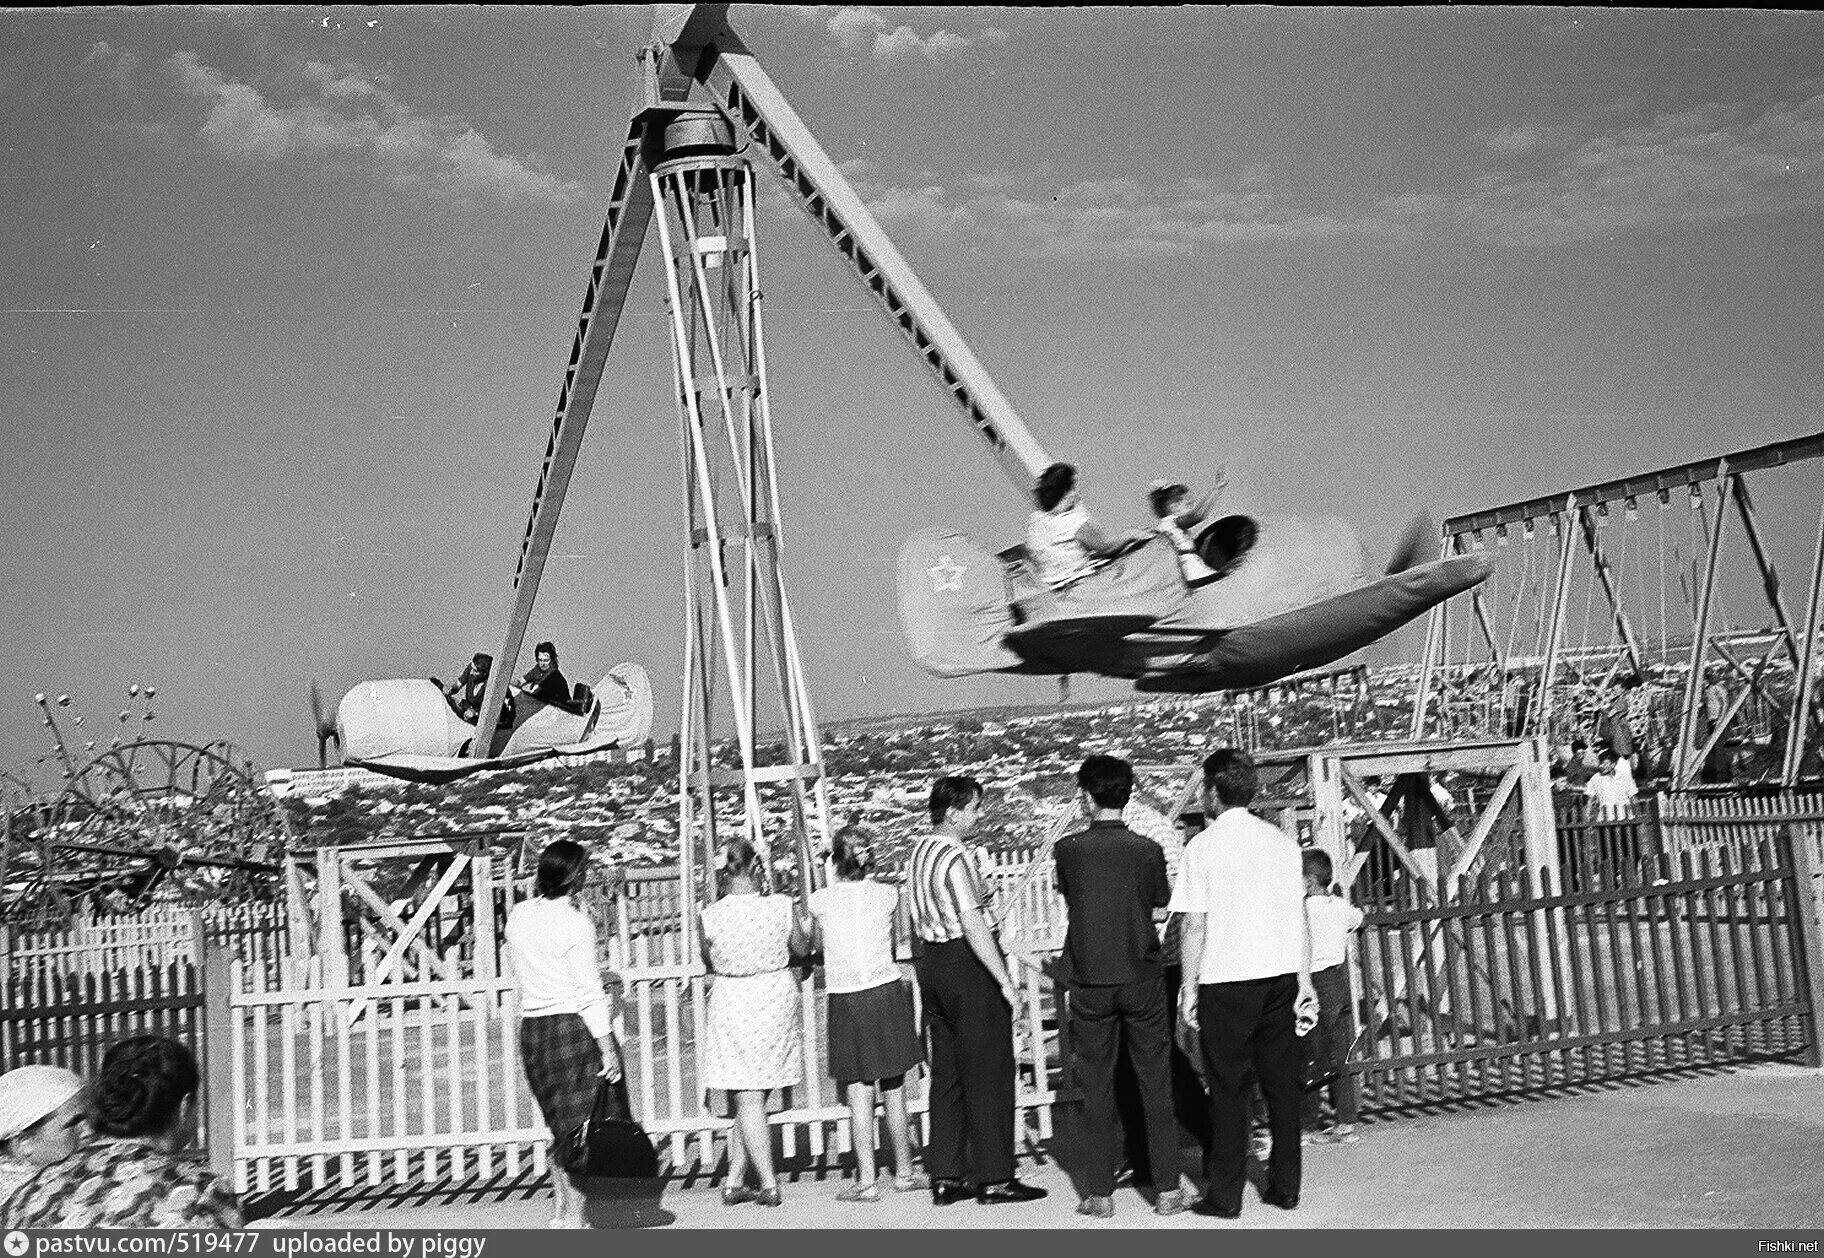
point(806, 617)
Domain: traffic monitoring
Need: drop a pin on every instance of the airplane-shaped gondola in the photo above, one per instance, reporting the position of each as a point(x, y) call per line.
point(406, 727)
point(1287, 595)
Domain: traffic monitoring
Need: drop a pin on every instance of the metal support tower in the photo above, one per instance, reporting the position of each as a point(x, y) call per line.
point(738, 620)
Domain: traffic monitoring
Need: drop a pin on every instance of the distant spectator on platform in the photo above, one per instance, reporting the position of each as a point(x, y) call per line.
point(1611, 796)
point(41, 1123)
point(545, 681)
point(135, 1172)
point(1332, 919)
point(873, 1034)
point(566, 1033)
point(753, 1047)
point(1580, 766)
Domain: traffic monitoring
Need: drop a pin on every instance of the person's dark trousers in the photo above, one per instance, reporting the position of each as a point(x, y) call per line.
point(1190, 1103)
point(970, 1111)
point(1101, 1018)
point(1330, 1042)
point(1248, 1032)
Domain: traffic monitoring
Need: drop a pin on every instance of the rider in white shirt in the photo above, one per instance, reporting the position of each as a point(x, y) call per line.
point(1063, 541)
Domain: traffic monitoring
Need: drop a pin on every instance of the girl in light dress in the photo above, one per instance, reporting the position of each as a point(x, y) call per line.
point(873, 1037)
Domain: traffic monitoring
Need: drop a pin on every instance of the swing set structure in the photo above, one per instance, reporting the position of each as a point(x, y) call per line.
point(1669, 661)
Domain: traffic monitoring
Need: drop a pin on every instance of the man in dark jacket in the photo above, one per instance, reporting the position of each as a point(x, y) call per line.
point(1112, 880)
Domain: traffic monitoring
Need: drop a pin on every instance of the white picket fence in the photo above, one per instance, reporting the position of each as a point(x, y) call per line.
point(425, 1086)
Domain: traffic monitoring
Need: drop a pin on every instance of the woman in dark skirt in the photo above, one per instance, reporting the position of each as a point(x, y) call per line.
point(873, 1038)
point(566, 1038)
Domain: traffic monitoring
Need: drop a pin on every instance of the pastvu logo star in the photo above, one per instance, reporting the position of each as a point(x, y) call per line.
point(17, 1244)
point(946, 574)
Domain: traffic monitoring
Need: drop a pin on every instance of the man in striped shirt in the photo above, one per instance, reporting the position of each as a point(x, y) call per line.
point(969, 1001)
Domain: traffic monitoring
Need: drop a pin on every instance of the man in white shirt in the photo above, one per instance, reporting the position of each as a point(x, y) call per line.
point(1247, 979)
point(1611, 795)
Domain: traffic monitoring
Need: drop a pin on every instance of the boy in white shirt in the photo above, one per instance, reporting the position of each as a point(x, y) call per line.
point(1332, 918)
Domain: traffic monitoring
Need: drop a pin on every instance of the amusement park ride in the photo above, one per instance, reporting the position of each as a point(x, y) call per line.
point(1291, 597)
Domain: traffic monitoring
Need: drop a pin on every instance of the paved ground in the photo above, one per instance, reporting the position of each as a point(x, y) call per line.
point(1736, 1149)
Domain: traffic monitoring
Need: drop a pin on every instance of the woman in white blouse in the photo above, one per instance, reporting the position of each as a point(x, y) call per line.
point(1063, 542)
point(873, 1039)
point(566, 1038)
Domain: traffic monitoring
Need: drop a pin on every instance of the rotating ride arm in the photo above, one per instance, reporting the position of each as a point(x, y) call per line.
point(692, 44)
point(629, 213)
point(744, 93)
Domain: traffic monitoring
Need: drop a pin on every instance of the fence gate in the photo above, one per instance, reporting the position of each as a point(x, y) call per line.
point(390, 1057)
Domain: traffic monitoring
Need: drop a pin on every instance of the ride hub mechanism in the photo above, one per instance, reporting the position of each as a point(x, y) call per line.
point(738, 619)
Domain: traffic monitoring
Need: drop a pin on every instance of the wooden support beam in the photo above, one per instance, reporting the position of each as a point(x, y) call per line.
point(1485, 825)
point(1770, 577)
point(1607, 578)
point(1701, 471)
point(1684, 769)
point(1541, 715)
point(1384, 827)
point(1797, 724)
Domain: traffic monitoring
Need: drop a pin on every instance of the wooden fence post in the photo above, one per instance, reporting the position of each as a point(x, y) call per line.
point(218, 1057)
point(1804, 864)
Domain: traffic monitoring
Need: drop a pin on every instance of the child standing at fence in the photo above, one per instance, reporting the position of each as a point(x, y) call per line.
point(1332, 919)
point(752, 1043)
point(873, 1039)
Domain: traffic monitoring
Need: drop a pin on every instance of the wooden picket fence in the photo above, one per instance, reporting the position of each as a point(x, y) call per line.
point(425, 1088)
point(1519, 986)
point(1516, 986)
point(153, 938)
point(70, 1019)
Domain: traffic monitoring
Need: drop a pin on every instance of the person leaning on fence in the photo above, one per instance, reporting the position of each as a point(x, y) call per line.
point(41, 1124)
point(873, 1036)
point(135, 1172)
point(566, 1034)
point(753, 1046)
point(1247, 975)
point(969, 1003)
point(1332, 919)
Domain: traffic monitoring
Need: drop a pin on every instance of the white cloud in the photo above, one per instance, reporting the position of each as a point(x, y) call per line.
point(1532, 185)
point(339, 114)
point(854, 28)
point(1110, 218)
point(1705, 164)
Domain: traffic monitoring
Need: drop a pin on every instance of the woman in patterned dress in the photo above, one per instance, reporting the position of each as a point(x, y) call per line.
point(135, 1173)
point(751, 1042)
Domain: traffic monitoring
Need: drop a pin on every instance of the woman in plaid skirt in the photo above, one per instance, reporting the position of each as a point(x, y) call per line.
point(566, 1041)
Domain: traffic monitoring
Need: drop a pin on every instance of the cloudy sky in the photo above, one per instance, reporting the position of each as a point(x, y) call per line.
point(287, 294)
